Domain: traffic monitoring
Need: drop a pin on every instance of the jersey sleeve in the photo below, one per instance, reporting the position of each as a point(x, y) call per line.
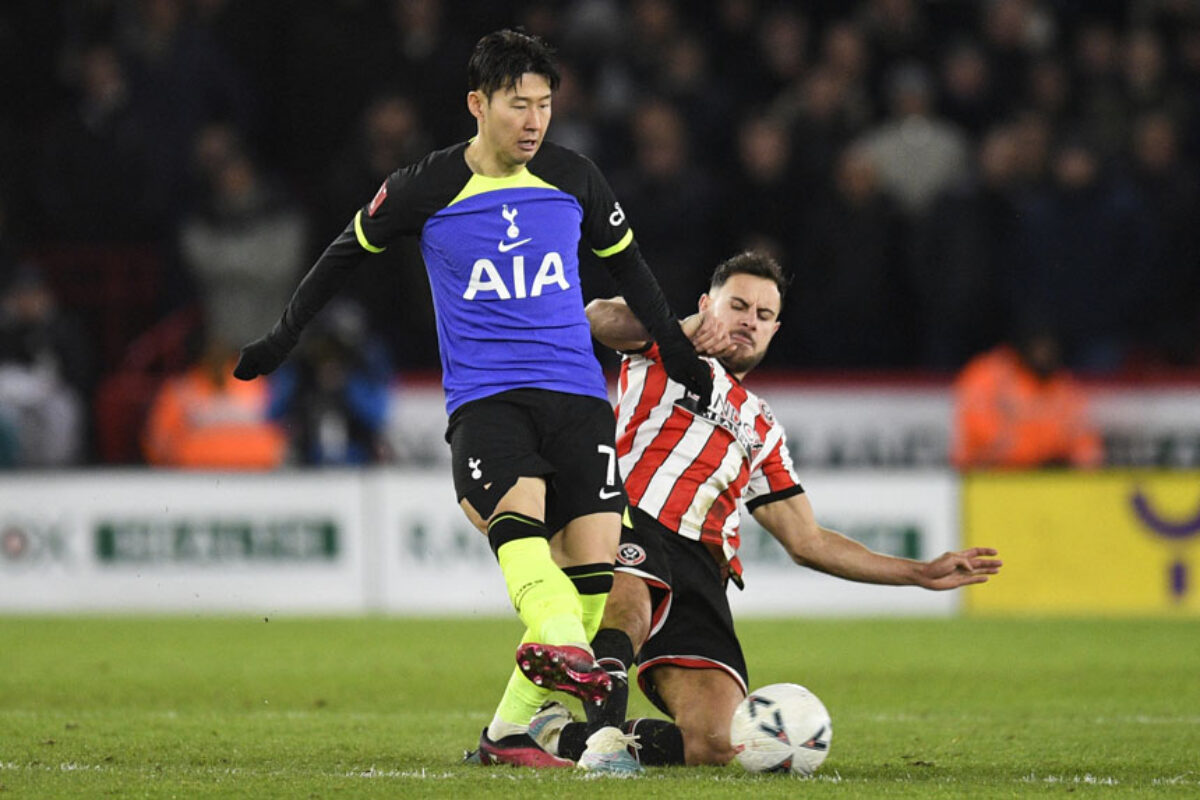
point(400, 207)
point(392, 213)
point(775, 478)
point(409, 197)
point(605, 228)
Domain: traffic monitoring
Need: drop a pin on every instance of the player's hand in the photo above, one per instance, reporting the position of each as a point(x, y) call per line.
point(962, 568)
point(260, 357)
point(685, 367)
point(709, 335)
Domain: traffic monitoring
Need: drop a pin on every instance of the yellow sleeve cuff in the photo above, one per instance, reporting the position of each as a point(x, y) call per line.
point(362, 238)
point(618, 247)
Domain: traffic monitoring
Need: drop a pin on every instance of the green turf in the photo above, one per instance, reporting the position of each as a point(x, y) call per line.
point(302, 708)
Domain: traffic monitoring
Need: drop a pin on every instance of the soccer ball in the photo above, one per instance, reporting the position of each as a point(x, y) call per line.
point(781, 728)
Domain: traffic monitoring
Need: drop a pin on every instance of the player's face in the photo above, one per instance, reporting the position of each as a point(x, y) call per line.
point(513, 121)
point(749, 307)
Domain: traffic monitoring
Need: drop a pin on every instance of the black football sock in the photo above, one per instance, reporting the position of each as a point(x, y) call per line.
point(572, 741)
point(661, 741)
point(614, 652)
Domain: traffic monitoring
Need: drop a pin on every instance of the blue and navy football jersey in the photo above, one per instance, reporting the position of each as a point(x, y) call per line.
point(502, 258)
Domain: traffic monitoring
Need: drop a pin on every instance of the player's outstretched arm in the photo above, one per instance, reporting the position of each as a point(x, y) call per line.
point(327, 276)
point(791, 521)
point(962, 568)
point(615, 326)
point(646, 300)
point(264, 355)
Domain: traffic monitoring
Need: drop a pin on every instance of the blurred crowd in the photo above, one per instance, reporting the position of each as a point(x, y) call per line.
point(938, 176)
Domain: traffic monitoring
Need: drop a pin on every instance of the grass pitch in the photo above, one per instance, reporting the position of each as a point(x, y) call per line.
point(377, 707)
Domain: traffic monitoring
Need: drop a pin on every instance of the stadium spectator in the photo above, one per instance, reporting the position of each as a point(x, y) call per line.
point(762, 177)
point(648, 29)
point(332, 399)
point(846, 57)
point(591, 31)
point(686, 482)
point(541, 18)
point(702, 94)
point(918, 153)
point(1016, 407)
point(1048, 90)
point(965, 95)
point(853, 311)
point(962, 252)
point(423, 50)
point(671, 197)
point(1170, 186)
point(530, 429)
point(895, 29)
point(819, 111)
point(1147, 82)
point(93, 179)
point(574, 118)
point(1099, 90)
point(203, 419)
point(183, 80)
point(1034, 132)
point(331, 57)
point(244, 242)
point(1014, 34)
point(46, 374)
point(733, 35)
point(783, 35)
point(1083, 244)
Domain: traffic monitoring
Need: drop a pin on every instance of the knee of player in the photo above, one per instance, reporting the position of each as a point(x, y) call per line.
point(706, 745)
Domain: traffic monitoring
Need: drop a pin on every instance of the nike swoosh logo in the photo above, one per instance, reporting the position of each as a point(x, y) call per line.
point(606, 495)
point(506, 246)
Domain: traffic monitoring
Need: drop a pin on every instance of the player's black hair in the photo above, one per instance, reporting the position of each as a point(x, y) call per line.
point(751, 262)
point(502, 57)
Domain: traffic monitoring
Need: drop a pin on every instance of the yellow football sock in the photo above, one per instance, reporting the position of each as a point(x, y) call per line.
point(593, 612)
point(593, 582)
point(520, 702)
point(543, 596)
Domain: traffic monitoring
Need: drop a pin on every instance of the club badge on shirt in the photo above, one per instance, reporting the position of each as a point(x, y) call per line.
point(377, 201)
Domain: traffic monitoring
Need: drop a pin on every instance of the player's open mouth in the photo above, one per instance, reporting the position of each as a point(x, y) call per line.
point(528, 144)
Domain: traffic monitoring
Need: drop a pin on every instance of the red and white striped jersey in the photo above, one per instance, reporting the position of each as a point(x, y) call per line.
point(689, 470)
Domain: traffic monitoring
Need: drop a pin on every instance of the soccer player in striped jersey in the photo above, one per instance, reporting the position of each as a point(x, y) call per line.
point(500, 219)
point(686, 470)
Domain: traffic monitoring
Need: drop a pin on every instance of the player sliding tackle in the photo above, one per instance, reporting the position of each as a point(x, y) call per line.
point(500, 219)
point(686, 474)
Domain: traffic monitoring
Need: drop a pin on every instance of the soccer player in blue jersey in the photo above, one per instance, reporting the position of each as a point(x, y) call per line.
point(499, 219)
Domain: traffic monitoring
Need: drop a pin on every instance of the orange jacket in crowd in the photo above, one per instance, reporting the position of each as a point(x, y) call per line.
point(1007, 416)
point(201, 420)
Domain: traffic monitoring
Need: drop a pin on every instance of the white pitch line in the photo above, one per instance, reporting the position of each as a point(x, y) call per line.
point(1087, 778)
point(373, 773)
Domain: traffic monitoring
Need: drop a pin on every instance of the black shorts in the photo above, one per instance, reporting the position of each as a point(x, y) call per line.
point(568, 439)
point(691, 623)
